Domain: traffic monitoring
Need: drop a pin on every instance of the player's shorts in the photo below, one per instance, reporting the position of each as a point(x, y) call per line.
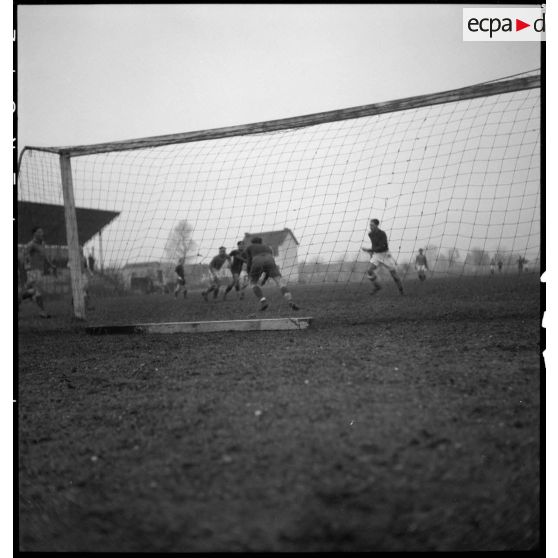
point(264, 264)
point(34, 281)
point(421, 268)
point(180, 287)
point(385, 259)
point(243, 279)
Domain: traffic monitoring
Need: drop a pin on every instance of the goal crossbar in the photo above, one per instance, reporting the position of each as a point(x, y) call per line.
point(454, 95)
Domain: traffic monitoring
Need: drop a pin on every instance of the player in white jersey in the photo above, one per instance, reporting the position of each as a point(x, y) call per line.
point(380, 255)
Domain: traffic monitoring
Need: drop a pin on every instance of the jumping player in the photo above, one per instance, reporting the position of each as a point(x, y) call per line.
point(380, 256)
point(216, 268)
point(260, 260)
point(421, 265)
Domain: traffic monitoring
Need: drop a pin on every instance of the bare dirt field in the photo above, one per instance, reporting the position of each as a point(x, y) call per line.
point(393, 423)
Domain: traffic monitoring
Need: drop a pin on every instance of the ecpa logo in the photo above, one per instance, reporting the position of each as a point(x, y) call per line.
point(504, 24)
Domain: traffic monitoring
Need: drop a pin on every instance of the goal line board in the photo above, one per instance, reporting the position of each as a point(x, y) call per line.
point(269, 324)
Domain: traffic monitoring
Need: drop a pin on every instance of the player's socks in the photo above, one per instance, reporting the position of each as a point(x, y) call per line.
point(264, 305)
point(204, 294)
point(293, 306)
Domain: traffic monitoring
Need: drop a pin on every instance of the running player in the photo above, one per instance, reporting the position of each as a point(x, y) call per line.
point(380, 256)
point(180, 279)
point(217, 267)
point(35, 263)
point(85, 276)
point(421, 265)
point(237, 263)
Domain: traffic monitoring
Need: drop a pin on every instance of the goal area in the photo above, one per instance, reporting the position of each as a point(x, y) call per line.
point(455, 173)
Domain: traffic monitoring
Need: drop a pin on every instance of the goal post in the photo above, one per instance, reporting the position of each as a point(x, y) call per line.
point(74, 250)
point(456, 173)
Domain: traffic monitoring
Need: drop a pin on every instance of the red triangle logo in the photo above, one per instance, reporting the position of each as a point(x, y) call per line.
point(519, 25)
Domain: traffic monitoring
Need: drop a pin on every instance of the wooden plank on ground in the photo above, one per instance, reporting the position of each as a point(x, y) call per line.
point(269, 324)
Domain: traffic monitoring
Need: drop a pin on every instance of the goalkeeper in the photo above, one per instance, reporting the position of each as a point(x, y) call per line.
point(380, 255)
point(260, 260)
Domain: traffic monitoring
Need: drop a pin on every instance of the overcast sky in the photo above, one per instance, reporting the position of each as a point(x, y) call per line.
point(89, 74)
point(97, 73)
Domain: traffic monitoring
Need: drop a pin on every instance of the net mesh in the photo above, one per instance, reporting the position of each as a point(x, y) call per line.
point(459, 179)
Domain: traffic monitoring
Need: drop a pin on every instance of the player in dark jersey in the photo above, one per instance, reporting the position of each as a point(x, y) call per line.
point(380, 256)
point(35, 262)
point(85, 276)
point(260, 260)
point(421, 265)
point(180, 279)
point(237, 263)
point(217, 267)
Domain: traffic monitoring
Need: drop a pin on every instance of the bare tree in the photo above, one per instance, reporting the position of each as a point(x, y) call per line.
point(504, 256)
point(405, 268)
point(432, 252)
point(180, 243)
point(478, 257)
point(453, 256)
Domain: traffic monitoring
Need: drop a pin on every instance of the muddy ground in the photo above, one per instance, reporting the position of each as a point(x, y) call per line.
point(392, 423)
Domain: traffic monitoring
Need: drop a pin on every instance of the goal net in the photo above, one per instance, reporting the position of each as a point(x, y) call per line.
point(455, 173)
